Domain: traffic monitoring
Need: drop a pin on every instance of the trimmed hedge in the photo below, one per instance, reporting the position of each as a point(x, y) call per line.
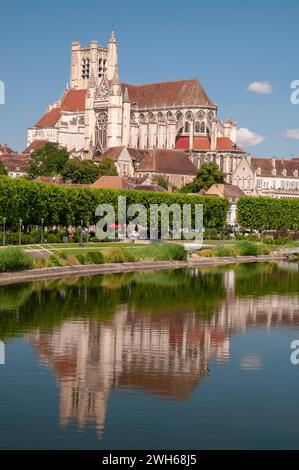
point(61, 205)
point(265, 213)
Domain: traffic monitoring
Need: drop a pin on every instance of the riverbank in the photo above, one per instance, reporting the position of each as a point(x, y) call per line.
point(93, 269)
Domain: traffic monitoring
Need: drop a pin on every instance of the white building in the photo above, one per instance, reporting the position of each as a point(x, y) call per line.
point(272, 177)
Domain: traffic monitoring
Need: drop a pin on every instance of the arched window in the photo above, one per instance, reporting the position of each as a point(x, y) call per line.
point(101, 130)
point(179, 116)
point(202, 127)
point(197, 127)
point(187, 126)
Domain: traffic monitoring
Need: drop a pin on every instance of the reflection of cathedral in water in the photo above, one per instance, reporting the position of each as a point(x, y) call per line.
point(166, 354)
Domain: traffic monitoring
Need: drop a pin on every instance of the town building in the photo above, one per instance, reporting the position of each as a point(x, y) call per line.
point(233, 194)
point(277, 178)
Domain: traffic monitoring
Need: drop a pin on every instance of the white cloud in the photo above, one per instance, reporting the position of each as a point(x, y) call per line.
point(247, 138)
point(291, 134)
point(263, 88)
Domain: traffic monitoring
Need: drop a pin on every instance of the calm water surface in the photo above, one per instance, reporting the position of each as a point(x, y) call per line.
point(177, 360)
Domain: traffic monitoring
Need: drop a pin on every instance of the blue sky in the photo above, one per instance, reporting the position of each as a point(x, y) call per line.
point(227, 45)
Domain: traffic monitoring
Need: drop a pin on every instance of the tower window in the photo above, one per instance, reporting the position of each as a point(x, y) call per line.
point(85, 68)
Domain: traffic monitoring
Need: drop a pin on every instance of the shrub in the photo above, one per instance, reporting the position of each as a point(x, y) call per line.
point(52, 238)
point(54, 262)
point(63, 255)
point(268, 240)
point(206, 253)
point(247, 248)
point(281, 241)
point(222, 251)
point(265, 250)
point(170, 252)
point(119, 255)
point(211, 234)
point(15, 259)
point(81, 258)
point(95, 257)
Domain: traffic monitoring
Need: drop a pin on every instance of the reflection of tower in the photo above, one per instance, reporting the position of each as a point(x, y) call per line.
point(165, 353)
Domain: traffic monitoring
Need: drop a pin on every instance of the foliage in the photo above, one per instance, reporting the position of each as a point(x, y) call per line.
point(48, 160)
point(3, 170)
point(60, 205)
point(119, 255)
point(207, 175)
point(264, 213)
point(247, 248)
point(161, 181)
point(87, 172)
point(15, 259)
point(223, 251)
point(80, 172)
point(107, 167)
point(95, 257)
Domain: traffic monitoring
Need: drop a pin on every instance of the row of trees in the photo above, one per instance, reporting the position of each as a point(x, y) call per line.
point(61, 205)
point(265, 213)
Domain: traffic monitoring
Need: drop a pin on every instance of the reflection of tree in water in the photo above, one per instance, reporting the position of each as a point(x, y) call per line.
point(48, 304)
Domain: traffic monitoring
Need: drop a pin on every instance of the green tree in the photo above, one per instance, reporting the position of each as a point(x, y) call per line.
point(80, 172)
point(3, 170)
point(107, 167)
point(48, 160)
point(161, 180)
point(87, 172)
point(207, 175)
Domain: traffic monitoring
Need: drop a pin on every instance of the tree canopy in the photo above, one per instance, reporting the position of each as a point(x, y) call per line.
point(48, 160)
point(3, 170)
point(87, 172)
point(207, 175)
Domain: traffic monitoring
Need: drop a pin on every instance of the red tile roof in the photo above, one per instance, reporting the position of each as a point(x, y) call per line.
point(15, 163)
point(50, 118)
point(225, 190)
point(268, 165)
point(74, 101)
point(167, 161)
point(35, 145)
point(176, 93)
point(110, 182)
point(113, 153)
point(224, 144)
point(49, 179)
point(5, 149)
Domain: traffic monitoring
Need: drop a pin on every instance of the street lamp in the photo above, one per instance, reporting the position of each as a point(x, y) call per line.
point(81, 233)
point(87, 233)
point(20, 231)
point(42, 233)
point(3, 234)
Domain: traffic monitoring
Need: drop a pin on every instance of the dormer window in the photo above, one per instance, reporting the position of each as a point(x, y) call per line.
point(284, 172)
point(274, 172)
point(259, 171)
point(296, 173)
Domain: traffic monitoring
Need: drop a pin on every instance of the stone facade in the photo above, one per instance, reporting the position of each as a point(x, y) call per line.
point(97, 111)
point(272, 177)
